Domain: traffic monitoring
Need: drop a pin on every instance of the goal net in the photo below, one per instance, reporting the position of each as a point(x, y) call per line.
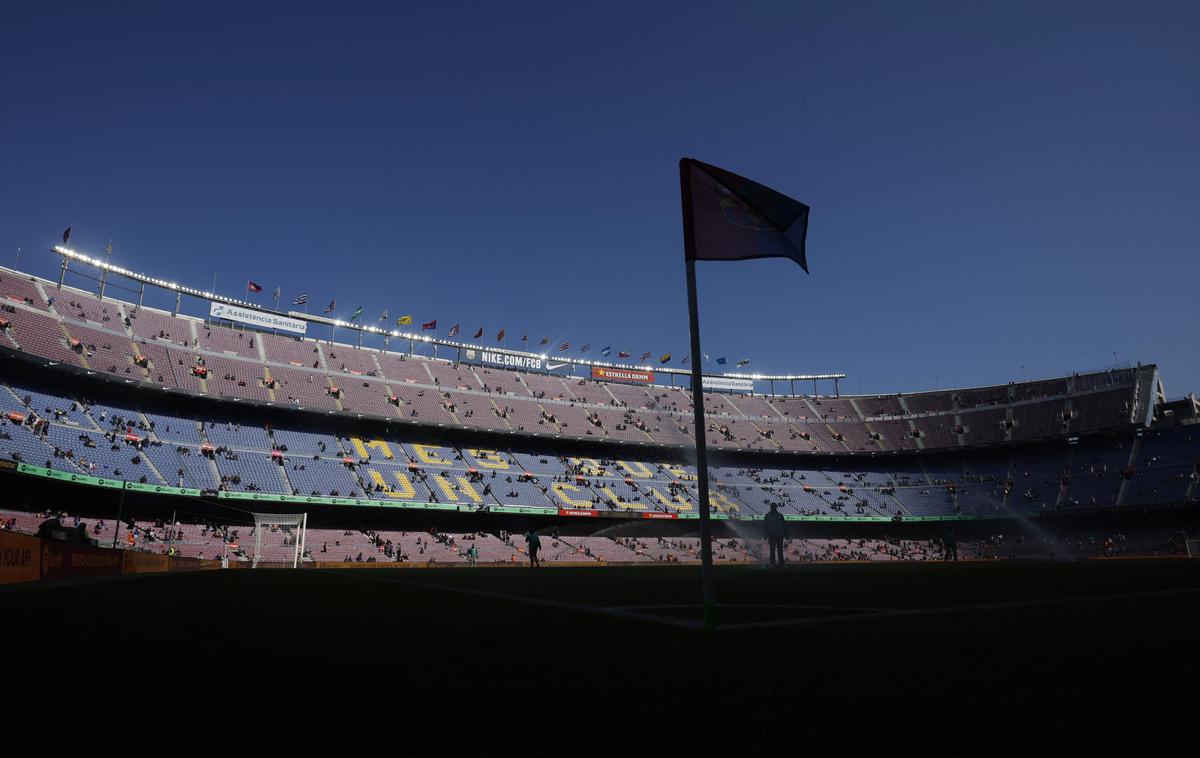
point(279, 539)
point(1193, 548)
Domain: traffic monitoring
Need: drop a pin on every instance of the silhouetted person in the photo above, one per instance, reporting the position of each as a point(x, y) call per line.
point(776, 529)
point(950, 546)
point(531, 539)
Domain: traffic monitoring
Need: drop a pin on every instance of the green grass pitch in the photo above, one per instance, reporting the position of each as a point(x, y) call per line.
point(989, 658)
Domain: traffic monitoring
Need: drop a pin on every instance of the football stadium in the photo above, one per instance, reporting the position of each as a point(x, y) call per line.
point(348, 405)
point(140, 443)
point(217, 419)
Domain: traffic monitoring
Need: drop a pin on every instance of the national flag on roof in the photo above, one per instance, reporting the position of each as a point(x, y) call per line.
point(585, 348)
point(383, 316)
point(478, 333)
point(429, 325)
point(743, 362)
point(665, 359)
point(500, 336)
point(606, 351)
point(732, 218)
point(357, 312)
point(253, 287)
point(622, 354)
point(564, 347)
point(686, 359)
point(647, 355)
point(545, 340)
point(404, 321)
point(332, 305)
point(454, 330)
point(721, 361)
point(278, 292)
point(67, 234)
point(524, 337)
point(301, 299)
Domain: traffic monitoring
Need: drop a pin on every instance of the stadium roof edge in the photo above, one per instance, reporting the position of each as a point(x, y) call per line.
point(73, 255)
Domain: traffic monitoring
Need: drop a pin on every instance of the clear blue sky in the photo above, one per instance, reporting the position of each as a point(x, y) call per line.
point(993, 184)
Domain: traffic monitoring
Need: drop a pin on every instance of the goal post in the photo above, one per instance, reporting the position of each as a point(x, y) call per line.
point(279, 539)
point(1193, 548)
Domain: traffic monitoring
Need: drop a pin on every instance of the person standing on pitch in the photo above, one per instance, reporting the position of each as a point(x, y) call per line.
point(950, 546)
point(531, 539)
point(776, 529)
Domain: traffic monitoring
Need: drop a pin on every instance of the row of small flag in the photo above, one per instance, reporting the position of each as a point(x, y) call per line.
point(302, 299)
point(454, 331)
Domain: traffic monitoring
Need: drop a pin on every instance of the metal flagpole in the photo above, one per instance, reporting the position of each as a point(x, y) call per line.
point(706, 565)
point(104, 273)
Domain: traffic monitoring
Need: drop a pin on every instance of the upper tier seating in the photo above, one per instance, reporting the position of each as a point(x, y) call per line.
point(154, 347)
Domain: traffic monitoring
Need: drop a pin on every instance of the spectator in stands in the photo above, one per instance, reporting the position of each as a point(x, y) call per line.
point(776, 529)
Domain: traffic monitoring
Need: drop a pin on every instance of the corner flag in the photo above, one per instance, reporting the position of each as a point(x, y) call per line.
point(726, 217)
point(734, 218)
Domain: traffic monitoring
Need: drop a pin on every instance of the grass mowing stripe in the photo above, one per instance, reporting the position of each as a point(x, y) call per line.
point(902, 612)
point(558, 604)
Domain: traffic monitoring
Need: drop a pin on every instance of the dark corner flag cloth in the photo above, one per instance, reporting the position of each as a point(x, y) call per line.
point(736, 219)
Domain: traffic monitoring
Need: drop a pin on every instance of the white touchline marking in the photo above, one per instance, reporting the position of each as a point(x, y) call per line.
point(789, 606)
point(592, 609)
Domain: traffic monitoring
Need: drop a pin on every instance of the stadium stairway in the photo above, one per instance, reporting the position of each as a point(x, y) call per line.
point(1134, 451)
point(287, 482)
point(268, 380)
point(83, 358)
point(321, 356)
point(154, 470)
point(1065, 480)
point(212, 463)
point(193, 332)
point(150, 463)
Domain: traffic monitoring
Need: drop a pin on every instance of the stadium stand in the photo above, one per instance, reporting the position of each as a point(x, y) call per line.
point(73, 433)
point(1077, 444)
point(187, 353)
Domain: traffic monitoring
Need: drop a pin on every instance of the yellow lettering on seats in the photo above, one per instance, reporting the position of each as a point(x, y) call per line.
point(380, 445)
point(562, 488)
point(588, 466)
point(432, 457)
point(405, 490)
point(612, 496)
point(489, 459)
point(464, 488)
point(671, 501)
point(721, 503)
point(637, 469)
point(678, 472)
